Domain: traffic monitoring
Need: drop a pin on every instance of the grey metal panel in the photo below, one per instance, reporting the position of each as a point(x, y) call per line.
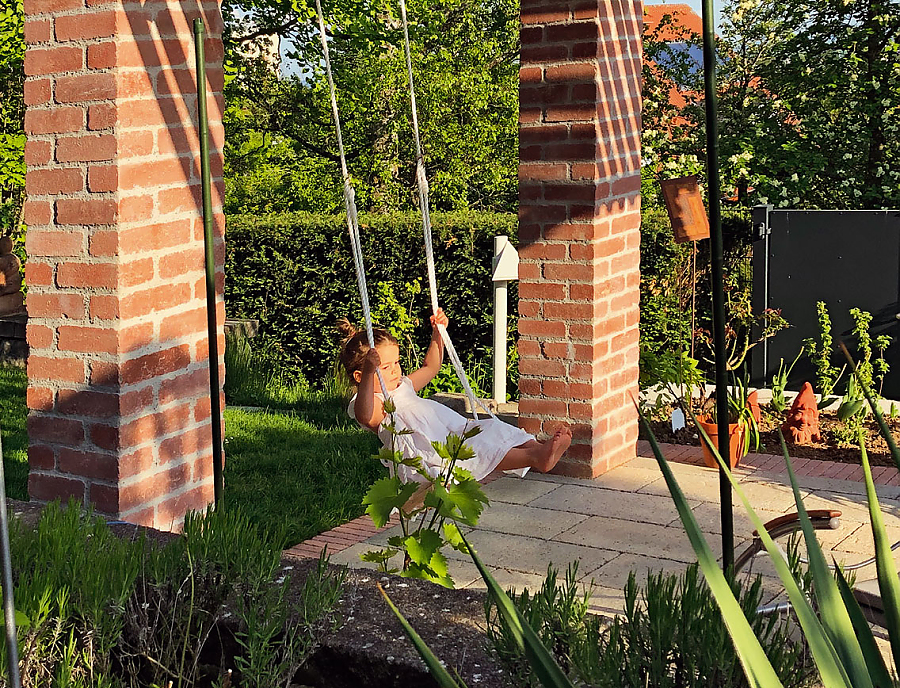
point(848, 259)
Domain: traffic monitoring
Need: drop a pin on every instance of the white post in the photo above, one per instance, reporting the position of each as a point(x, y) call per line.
point(500, 300)
point(506, 268)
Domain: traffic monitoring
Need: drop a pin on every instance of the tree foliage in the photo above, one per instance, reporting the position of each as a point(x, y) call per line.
point(282, 146)
point(809, 104)
point(12, 116)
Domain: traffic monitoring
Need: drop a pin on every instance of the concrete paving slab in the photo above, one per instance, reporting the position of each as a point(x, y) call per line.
point(852, 506)
point(517, 581)
point(519, 519)
point(512, 490)
point(709, 518)
point(552, 478)
point(625, 505)
point(614, 574)
point(769, 496)
point(626, 521)
point(648, 539)
point(531, 555)
point(701, 487)
point(606, 601)
point(629, 478)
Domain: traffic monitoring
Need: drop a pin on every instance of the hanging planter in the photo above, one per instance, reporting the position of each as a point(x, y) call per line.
point(684, 203)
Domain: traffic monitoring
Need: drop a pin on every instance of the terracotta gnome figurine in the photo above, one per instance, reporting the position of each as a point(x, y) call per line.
point(802, 423)
point(11, 298)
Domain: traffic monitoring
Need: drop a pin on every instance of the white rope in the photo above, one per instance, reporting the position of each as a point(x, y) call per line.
point(349, 201)
point(424, 207)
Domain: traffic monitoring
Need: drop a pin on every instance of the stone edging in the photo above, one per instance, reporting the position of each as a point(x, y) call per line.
point(361, 529)
point(772, 463)
point(349, 534)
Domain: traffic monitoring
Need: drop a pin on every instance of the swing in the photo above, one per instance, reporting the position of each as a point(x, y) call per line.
point(353, 219)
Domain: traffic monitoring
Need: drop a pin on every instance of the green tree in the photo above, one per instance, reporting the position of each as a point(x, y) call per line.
point(810, 100)
point(12, 116)
point(280, 131)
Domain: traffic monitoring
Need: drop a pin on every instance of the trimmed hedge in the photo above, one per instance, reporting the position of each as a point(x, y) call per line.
point(294, 272)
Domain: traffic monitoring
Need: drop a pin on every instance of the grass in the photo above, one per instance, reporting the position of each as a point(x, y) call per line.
point(283, 470)
point(306, 469)
point(13, 431)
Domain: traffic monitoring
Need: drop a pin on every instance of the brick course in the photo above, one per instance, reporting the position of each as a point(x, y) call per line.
point(579, 225)
point(118, 375)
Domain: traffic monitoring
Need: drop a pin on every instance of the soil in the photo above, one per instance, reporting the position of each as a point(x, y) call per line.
point(831, 448)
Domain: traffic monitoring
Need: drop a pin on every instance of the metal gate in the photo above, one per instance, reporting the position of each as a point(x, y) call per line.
point(848, 259)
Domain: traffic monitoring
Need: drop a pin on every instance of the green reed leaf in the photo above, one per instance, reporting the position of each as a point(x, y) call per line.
point(831, 670)
point(542, 662)
point(757, 668)
point(878, 671)
point(888, 583)
point(835, 618)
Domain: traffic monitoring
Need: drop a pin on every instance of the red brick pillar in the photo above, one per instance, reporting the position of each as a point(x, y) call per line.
point(579, 225)
point(117, 376)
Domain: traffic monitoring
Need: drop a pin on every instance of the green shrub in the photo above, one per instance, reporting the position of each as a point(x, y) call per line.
point(98, 610)
point(671, 634)
point(666, 280)
point(294, 272)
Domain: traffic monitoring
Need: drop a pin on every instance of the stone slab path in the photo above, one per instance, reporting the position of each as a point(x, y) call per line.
point(626, 521)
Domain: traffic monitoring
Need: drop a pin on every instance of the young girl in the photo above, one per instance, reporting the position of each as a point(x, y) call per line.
point(498, 445)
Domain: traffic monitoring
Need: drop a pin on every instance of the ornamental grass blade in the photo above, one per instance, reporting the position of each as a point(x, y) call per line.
point(440, 674)
point(876, 410)
point(542, 662)
point(830, 669)
point(888, 583)
point(835, 618)
point(878, 672)
point(757, 667)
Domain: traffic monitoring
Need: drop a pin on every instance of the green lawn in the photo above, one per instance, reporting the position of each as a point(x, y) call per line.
point(280, 469)
point(305, 470)
point(14, 433)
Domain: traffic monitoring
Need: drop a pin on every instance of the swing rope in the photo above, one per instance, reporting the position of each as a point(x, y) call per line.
point(349, 201)
point(353, 219)
point(425, 208)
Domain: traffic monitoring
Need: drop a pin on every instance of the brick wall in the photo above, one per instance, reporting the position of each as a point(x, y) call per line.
point(579, 225)
point(118, 386)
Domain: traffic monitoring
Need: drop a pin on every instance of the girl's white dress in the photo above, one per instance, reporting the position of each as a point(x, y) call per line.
point(431, 421)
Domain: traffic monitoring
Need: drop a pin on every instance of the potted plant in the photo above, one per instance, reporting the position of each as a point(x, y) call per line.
point(743, 430)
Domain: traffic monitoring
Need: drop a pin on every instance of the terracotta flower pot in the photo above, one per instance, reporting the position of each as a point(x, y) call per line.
point(735, 442)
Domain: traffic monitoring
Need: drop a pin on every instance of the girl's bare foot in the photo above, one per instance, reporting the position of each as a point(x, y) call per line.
point(552, 450)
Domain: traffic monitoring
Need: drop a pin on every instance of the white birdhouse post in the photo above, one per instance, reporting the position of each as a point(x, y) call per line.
point(506, 268)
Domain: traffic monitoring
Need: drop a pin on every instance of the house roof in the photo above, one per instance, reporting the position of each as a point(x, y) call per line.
point(681, 14)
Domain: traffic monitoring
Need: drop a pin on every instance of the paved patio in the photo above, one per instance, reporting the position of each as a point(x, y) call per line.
point(626, 521)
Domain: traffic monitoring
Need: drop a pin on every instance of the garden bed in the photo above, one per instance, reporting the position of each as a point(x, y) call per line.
point(831, 448)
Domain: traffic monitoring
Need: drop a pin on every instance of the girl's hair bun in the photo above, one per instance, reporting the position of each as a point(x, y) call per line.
point(346, 328)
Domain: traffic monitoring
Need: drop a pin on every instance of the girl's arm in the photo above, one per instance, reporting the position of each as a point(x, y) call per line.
point(368, 412)
point(434, 357)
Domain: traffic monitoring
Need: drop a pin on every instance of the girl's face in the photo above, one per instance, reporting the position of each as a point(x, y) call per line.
point(390, 366)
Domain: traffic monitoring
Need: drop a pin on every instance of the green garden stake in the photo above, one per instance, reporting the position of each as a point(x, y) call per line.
point(716, 265)
point(214, 400)
point(9, 607)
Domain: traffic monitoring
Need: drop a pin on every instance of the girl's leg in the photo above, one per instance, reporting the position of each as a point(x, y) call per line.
point(541, 456)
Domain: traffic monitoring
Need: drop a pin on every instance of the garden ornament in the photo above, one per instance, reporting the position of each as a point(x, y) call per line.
point(11, 298)
point(802, 423)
